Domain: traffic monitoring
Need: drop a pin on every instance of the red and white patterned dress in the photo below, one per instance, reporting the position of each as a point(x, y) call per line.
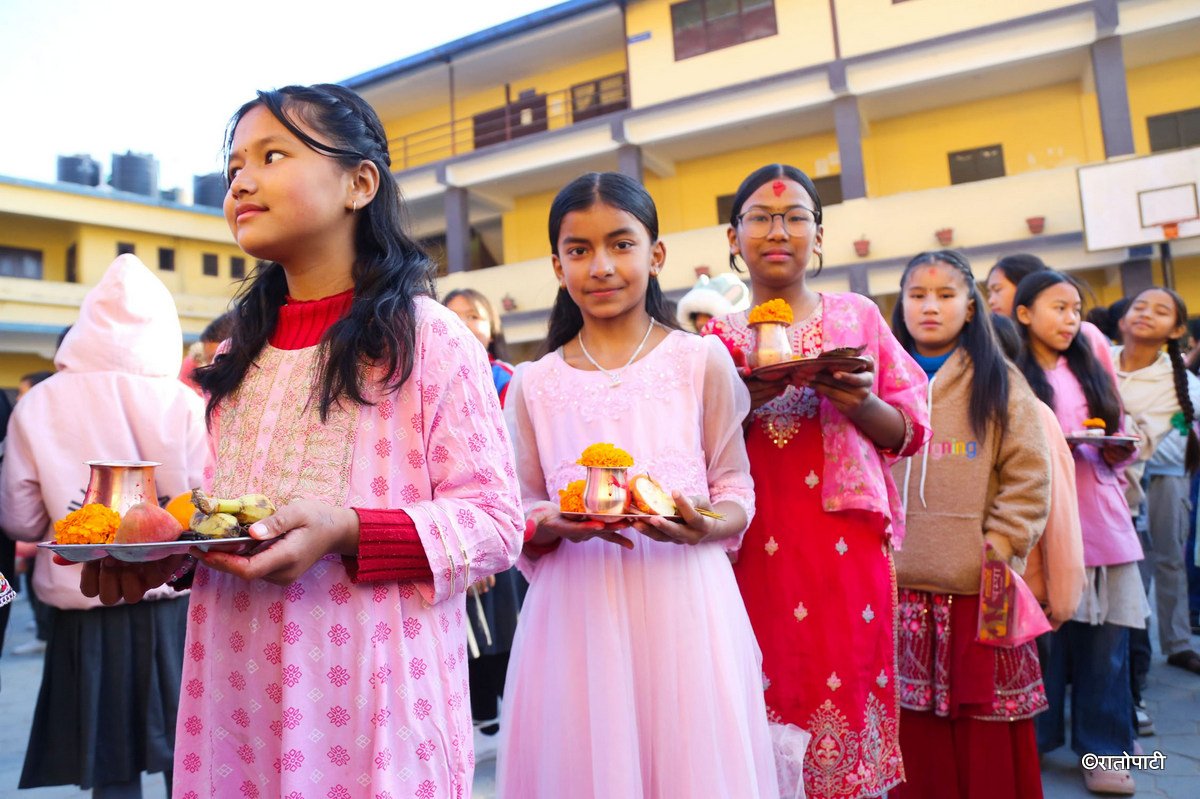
point(819, 584)
point(327, 688)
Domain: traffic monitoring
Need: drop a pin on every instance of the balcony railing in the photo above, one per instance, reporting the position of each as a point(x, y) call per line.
point(528, 113)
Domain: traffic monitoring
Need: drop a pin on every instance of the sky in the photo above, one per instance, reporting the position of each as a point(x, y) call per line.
point(99, 77)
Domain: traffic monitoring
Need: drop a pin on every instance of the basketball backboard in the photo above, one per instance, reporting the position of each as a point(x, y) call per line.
point(1140, 201)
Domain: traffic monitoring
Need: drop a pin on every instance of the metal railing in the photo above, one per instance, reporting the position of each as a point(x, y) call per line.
point(524, 115)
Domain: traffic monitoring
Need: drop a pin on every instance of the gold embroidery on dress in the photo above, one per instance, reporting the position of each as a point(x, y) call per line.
point(781, 417)
point(303, 458)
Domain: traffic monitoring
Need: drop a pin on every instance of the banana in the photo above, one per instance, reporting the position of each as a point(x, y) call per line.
point(219, 525)
point(248, 509)
point(202, 502)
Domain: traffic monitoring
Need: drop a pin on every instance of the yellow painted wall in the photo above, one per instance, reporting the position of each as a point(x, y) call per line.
point(98, 248)
point(14, 366)
point(688, 199)
point(1187, 282)
point(51, 238)
point(425, 136)
point(1160, 89)
point(865, 26)
point(804, 38)
point(1040, 129)
point(525, 228)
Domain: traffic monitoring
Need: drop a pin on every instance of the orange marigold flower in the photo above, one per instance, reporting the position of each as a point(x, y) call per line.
point(570, 499)
point(605, 455)
point(776, 310)
point(1095, 423)
point(91, 524)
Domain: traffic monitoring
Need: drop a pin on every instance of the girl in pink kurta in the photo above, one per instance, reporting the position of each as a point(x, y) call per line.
point(333, 663)
point(1090, 653)
point(815, 567)
point(634, 673)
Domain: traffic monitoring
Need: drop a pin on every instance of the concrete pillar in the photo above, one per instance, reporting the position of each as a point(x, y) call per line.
point(859, 282)
point(629, 161)
point(848, 125)
point(1136, 274)
point(1108, 66)
point(458, 229)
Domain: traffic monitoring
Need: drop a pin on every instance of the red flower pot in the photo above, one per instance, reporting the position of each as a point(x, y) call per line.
point(945, 236)
point(862, 247)
point(1036, 224)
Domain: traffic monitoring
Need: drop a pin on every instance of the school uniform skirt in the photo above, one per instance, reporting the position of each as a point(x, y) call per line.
point(110, 692)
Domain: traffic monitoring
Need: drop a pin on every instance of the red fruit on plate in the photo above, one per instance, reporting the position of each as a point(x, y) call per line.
point(147, 524)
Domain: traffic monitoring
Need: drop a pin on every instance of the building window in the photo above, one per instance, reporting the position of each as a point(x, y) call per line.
point(209, 264)
point(15, 262)
point(701, 26)
point(72, 264)
point(237, 267)
point(982, 163)
point(598, 97)
point(166, 259)
point(124, 248)
point(1175, 130)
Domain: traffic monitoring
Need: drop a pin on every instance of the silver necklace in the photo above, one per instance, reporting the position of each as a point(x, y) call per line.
point(614, 375)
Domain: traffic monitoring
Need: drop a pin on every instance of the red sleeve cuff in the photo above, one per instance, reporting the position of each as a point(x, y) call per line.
point(389, 548)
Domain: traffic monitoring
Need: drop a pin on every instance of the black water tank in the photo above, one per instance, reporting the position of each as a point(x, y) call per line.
point(136, 173)
point(209, 190)
point(169, 195)
point(80, 169)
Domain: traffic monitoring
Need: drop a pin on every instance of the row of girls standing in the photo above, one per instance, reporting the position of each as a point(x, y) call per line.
point(658, 691)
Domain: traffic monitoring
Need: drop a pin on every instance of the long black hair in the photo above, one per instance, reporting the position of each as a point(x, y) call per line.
point(390, 270)
point(1097, 384)
point(989, 385)
point(756, 179)
point(625, 194)
point(1175, 353)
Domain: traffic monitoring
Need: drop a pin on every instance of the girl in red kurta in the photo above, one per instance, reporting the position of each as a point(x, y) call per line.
point(815, 567)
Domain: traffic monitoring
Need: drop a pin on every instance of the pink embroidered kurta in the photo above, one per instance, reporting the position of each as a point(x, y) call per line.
point(855, 475)
point(634, 673)
point(328, 689)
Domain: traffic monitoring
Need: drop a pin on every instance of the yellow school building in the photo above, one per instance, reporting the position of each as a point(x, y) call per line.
point(964, 119)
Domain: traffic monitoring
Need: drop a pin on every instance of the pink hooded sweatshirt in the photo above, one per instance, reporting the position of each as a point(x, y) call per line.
point(116, 396)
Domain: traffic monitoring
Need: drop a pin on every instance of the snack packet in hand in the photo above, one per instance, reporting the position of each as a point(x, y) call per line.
point(1009, 613)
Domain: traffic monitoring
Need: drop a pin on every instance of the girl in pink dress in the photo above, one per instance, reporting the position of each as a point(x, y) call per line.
point(333, 663)
point(634, 673)
point(815, 568)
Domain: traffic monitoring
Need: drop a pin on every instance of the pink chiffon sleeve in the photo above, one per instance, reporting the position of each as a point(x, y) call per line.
point(726, 402)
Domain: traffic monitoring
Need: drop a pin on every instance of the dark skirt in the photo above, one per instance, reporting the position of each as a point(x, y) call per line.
point(110, 693)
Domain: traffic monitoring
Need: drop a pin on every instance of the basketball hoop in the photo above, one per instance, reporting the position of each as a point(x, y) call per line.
point(1170, 230)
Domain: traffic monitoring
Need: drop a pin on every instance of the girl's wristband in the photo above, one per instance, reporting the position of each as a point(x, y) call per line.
point(182, 577)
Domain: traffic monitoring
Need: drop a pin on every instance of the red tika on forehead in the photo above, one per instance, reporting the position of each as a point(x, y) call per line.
point(778, 187)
